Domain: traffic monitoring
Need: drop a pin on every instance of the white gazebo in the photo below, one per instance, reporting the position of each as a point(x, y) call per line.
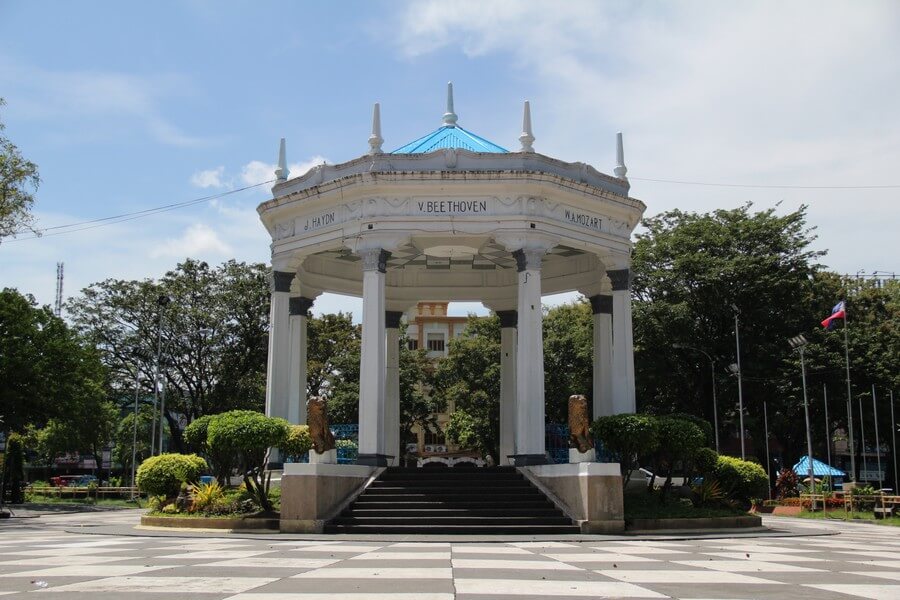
point(451, 216)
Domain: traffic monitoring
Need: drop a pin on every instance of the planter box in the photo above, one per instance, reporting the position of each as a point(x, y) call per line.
point(737, 522)
point(787, 511)
point(239, 524)
point(763, 510)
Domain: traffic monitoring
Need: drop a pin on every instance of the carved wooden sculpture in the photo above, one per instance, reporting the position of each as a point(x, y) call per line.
point(579, 424)
point(317, 420)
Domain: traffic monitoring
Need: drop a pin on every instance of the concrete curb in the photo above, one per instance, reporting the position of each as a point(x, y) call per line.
point(233, 524)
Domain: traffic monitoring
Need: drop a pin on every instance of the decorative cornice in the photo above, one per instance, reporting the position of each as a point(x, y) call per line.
point(281, 281)
point(620, 279)
point(601, 304)
point(508, 318)
point(299, 305)
point(374, 259)
point(392, 319)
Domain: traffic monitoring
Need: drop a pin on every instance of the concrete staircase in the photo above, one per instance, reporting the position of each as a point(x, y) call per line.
point(495, 500)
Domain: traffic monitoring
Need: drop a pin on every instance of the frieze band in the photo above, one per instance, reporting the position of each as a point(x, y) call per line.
point(601, 304)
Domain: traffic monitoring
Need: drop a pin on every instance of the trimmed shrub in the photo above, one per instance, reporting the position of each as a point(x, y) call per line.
point(249, 435)
point(297, 443)
point(704, 425)
point(221, 461)
point(705, 460)
point(741, 479)
point(163, 475)
point(628, 437)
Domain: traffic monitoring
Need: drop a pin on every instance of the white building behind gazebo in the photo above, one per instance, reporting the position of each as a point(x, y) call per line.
point(452, 217)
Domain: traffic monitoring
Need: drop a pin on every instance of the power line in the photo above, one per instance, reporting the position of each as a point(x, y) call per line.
point(772, 187)
point(131, 216)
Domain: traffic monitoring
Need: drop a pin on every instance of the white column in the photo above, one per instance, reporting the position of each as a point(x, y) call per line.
point(623, 345)
point(298, 308)
point(392, 388)
point(278, 369)
point(507, 385)
point(372, 359)
point(529, 360)
point(602, 307)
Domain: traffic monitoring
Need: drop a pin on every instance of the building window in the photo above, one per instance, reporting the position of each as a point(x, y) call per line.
point(412, 344)
point(435, 342)
point(432, 438)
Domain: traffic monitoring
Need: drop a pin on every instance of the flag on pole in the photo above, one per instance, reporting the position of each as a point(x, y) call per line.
point(837, 312)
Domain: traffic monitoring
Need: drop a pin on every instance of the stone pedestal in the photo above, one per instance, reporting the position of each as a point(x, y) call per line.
point(329, 457)
point(311, 494)
point(590, 493)
point(582, 457)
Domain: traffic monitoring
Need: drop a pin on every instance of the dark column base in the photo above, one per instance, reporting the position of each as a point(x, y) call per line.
point(524, 460)
point(275, 466)
point(374, 460)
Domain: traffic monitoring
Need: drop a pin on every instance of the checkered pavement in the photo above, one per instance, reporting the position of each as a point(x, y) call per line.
point(861, 562)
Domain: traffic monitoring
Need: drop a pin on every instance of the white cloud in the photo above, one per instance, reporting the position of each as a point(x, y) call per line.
point(800, 93)
point(210, 178)
point(99, 97)
point(257, 171)
point(198, 241)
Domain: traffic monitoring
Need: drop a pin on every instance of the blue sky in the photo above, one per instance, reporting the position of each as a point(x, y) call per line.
point(126, 106)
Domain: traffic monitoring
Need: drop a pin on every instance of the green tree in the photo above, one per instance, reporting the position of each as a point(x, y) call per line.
point(19, 180)
point(689, 269)
point(47, 371)
point(14, 469)
point(88, 430)
point(333, 364)
point(417, 402)
point(124, 438)
point(467, 381)
point(214, 336)
point(568, 357)
point(249, 435)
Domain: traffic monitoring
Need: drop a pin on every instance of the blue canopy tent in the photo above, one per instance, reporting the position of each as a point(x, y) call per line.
point(820, 470)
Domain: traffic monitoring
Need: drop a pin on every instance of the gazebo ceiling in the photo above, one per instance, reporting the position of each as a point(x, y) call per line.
point(489, 256)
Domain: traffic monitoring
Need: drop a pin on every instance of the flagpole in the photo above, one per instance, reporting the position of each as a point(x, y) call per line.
point(849, 397)
point(862, 430)
point(894, 442)
point(827, 424)
point(877, 442)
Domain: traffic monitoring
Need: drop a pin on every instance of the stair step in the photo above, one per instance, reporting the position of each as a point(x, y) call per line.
point(403, 504)
point(452, 490)
point(430, 513)
point(469, 520)
point(455, 529)
point(447, 501)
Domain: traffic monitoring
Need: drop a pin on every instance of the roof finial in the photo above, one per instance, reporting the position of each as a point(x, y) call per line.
point(281, 173)
point(450, 116)
point(375, 140)
point(527, 137)
point(620, 169)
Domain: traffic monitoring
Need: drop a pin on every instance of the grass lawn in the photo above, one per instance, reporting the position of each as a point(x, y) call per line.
point(868, 517)
point(641, 505)
point(106, 502)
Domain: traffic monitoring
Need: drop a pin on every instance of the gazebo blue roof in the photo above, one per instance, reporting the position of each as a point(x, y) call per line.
point(450, 136)
point(820, 469)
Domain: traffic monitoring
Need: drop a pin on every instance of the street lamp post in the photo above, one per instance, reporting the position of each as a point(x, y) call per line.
point(737, 342)
point(137, 393)
point(799, 343)
point(768, 460)
point(712, 366)
point(159, 386)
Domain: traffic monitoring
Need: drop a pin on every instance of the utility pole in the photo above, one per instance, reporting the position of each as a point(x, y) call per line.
point(827, 425)
point(877, 441)
point(737, 341)
point(799, 343)
point(768, 460)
